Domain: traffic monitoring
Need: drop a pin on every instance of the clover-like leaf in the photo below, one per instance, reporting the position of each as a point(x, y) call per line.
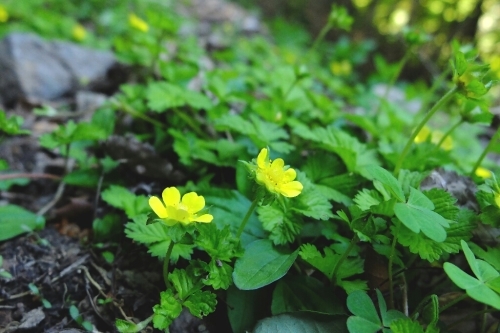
point(484, 287)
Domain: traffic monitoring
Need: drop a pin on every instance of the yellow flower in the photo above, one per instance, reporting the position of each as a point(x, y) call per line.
point(4, 15)
point(275, 176)
point(79, 32)
point(435, 136)
point(137, 23)
point(483, 172)
point(173, 210)
point(341, 68)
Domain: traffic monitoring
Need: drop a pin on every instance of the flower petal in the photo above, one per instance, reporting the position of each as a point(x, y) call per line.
point(263, 158)
point(291, 189)
point(278, 164)
point(193, 202)
point(289, 175)
point(180, 215)
point(171, 196)
point(205, 218)
point(158, 207)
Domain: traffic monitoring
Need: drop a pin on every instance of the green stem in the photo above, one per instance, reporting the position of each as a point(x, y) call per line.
point(430, 93)
point(320, 37)
point(247, 216)
point(389, 268)
point(453, 302)
point(448, 132)
point(424, 121)
point(124, 107)
point(166, 262)
point(344, 256)
point(189, 121)
point(485, 152)
point(401, 65)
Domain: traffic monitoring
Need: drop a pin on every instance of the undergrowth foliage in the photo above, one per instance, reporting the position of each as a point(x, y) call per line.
point(299, 175)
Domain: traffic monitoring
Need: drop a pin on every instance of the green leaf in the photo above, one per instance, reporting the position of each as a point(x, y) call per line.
point(460, 63)
point(303, 293)
point(230, 207)
point(162, 96)
point(477, 288)
point(168, 309)
point(283, 226)
point(390, 183)
point(311, 202)
point(431, 250)
point(201, 303)
point(301, 323)
point(491, 255)
point(219, 275)
point(243, 308)
point(261, 264)
point(406, 325)
point(444, 203)
point(15, 220)
point(121, 198)
point(157, 237)
point(124, 326)
point(218, 243)
point(182, 282)
point(417, 216)
point(83, 177)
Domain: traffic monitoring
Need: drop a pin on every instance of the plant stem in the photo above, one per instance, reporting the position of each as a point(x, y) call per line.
point(134, 113)
point(166, 262)
point(453, 302)
point(448, 132)
point(401, 65)
point(29, 175)
point(344, 256)
point(424, 121)
point(389, 268)
point(485, 152)
point(189, 121)
point(430, 93)
point(321, 36)
point(247, 216)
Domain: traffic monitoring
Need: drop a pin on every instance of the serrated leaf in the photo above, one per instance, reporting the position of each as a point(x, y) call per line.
point(201, 303)
point(261, 264)
point(220, 244)
point(15, 220)
point(182, 282)
point(406, 325)
point(168, 309)
point(300, 323)
point(444, 203)
point(311, 202)
point(431, 250)
point(121, 198)
point(375, 172)
point(219, 275)
point(283, 227)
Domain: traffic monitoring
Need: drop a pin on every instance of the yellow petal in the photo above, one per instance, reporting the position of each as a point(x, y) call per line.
point(205, 218)
point(422, 135)
point(291, 189)
point(263, 159)
point(158, 207)
point(289, 175)
point(483, 173)
point(278, 164)
point(171, 196)
point(193, 202)
point(180, 215)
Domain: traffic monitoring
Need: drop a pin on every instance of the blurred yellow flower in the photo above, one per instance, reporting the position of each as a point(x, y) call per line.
point(341, 68)
point(137, 23)
point(4, 15)
point(174, 210)
point(79, 32)
point(277, 178)
point(497, 199)
point(483, 172)
point(435, 137)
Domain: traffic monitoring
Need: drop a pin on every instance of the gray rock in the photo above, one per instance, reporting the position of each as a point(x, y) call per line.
point(35, 70)
point(32, 319)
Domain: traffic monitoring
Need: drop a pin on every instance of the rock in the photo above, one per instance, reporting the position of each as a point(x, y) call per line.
point(35, 70)
point(32, 319)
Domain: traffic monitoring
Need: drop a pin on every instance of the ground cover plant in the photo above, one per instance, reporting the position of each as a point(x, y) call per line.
point(297, 191)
